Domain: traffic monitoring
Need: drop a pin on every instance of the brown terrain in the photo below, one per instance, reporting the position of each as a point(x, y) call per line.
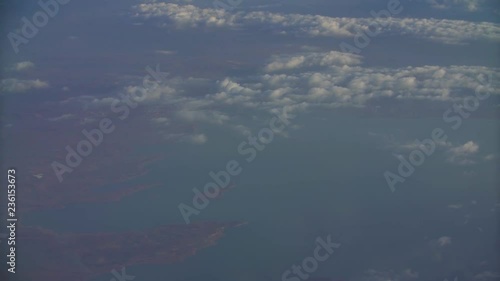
point(115, 162)
point(81, 256)
point(112, 171)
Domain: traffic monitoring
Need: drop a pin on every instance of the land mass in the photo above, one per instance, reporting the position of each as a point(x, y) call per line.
point(82, 256)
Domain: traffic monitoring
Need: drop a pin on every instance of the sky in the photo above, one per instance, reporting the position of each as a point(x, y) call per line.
point(388, 108)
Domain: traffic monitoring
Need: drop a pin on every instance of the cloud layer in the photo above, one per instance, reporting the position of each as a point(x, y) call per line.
point(442, 30)
point(13, 85)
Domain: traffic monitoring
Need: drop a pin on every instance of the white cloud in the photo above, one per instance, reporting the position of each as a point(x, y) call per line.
point(442, 30)
point(461, 155)
point(161, 120)
point(24, 65)
point(213, 117)
point(353, 86)
point(243, 130)
point(330, 84)
point(469, 5)
point(469, 147)
point(149, 95)
point(444, 241)
point(185, 15)
point(197, 139)
point(61, 118)
point(333, 58)
point(13, 85)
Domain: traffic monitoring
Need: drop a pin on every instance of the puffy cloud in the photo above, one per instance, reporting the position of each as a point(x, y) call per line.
point(231, 87)
point(355, 86)
point(332, 84)
point(461, 155)
point(404, 147)
point(290, 63)
point(333, 58)
point(469, 5)
point(161, 120)
point(213, 117)
point(444, 241)
point(197, 139)
point(467, 148)
point(243, 130)
point(149, 94)
point(24, 65)
point(442, 30)
point(185, 15)
point(333, 80)
point(13, 85)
